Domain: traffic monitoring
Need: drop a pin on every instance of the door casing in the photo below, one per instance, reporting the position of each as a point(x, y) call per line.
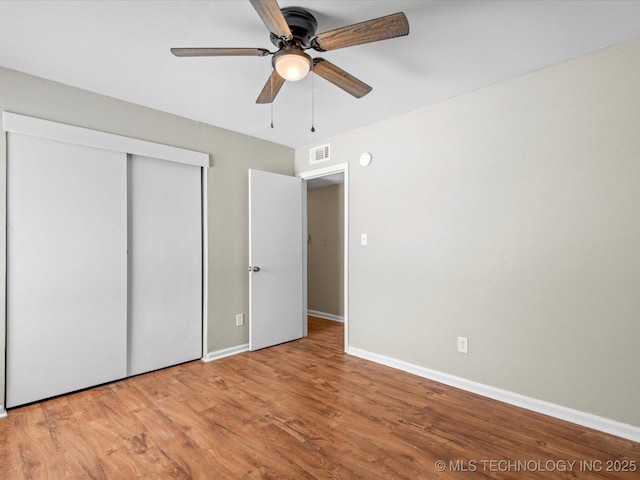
point(318, 173)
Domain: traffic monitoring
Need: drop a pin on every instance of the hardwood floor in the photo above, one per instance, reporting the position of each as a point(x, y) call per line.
point(300, 410)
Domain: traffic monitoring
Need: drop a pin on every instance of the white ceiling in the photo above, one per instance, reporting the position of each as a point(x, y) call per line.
point(121, 49)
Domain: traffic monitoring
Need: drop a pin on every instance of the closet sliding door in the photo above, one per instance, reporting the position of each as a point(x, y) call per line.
point(104, 257)
point(66, 267)
point(165, 263)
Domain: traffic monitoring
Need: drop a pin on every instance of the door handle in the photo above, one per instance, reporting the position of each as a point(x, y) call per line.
point(254, 269)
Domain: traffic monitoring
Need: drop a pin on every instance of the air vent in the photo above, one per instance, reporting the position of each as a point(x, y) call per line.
point(319, 154)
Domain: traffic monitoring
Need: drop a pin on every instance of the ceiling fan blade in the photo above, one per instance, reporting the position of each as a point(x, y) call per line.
point(382, 28)
point(220, 52)
point(340, 78)
point(271, 88)
point(272, 17)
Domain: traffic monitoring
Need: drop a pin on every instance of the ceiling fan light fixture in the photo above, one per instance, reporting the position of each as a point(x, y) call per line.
point(292, 65)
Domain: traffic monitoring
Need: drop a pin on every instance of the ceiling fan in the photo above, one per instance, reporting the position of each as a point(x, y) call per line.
point(293, 30)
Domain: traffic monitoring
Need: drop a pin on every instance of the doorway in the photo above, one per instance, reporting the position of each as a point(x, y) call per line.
point(326, 256)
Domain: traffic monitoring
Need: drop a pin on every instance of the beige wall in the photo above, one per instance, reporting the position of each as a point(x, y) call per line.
point(511, 216)
point(232, 154)
point(325, 251)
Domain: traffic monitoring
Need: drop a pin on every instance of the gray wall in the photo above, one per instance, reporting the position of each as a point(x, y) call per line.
point(232, 154)
point(510, 215)
point(325, 251)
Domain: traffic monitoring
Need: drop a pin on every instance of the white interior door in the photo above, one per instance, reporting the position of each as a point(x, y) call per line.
point(165, 263)
point(276, 309)
point(66, 267)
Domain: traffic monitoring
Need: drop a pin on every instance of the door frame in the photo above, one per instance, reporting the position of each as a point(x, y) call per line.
point(309, 175)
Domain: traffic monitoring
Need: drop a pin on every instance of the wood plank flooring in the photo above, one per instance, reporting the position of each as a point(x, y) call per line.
point(301, 410)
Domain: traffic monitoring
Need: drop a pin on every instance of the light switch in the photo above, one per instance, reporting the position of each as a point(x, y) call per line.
point(363, 239)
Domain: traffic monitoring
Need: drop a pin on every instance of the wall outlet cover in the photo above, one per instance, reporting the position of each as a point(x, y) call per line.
point(463, 345)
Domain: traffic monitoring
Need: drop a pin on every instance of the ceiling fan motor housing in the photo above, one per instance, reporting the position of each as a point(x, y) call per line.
point(303, 27)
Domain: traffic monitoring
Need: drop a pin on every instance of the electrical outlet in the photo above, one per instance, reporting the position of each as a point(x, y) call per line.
point(463, 345)
point(364, 239)
point(239, 319)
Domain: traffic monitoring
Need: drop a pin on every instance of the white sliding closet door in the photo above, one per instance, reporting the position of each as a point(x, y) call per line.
point(66, 267)
point(165, 263)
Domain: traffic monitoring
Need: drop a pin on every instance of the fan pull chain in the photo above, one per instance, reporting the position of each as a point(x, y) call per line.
point(271, 86)
point(313, 128)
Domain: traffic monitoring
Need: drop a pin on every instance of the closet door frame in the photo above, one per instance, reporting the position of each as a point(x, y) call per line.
point(31, 126)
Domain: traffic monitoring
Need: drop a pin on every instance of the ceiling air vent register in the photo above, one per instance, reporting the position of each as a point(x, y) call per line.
point(319, 154)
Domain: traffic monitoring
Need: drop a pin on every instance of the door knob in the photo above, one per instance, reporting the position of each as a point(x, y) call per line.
point(254, 269)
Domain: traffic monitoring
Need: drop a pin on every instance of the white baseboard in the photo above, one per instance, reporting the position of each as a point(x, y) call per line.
point(3, 412)
point(602, 424)
point(225, 352)
point(326, 316)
